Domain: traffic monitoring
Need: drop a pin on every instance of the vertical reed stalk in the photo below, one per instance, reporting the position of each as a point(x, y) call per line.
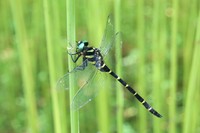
point(141, 63)
point(192, 92)
point(119, 91)
point(173, 66)
point(189, 35)
point(59, 64)
point(74, 116)
point(26, 65)
point(163, 70)
point(54, 63)
point(156, 48)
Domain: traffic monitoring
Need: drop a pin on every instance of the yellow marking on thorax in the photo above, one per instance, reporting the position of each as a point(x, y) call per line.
point(93, 62)
point(91, 50)
point(103, 65)
point(89, 56)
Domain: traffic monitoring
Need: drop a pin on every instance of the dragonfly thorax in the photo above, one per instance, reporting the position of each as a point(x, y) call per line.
point(93, 55)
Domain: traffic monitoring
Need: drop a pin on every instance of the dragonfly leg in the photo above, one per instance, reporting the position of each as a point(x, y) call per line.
point(83, 66)
point(74, 58)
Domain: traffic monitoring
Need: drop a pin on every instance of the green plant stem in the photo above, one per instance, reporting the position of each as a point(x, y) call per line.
point(173, 66)
point(53, 65)
point(163, 70)
point(74, 116)
point(141, 72)
point(119, 91)
point(156, 63)
point(59, 64)
point(26, 65)
point(190, 31)
point(192, 91)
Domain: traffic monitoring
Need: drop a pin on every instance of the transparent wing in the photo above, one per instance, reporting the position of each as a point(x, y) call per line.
point(86, 93)
point(108, 37)
point(89, 90)
point(84, 79)
point(81, 77)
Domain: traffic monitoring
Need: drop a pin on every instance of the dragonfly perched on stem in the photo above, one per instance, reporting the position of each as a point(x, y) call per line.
point(92, 64)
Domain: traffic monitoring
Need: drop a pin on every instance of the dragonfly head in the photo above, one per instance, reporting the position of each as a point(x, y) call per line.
point(81, 45)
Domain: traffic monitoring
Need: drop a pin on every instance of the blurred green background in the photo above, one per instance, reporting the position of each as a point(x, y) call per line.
point(160, 57)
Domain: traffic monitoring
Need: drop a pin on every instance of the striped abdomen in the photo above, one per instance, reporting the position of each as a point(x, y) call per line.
point(104, 68)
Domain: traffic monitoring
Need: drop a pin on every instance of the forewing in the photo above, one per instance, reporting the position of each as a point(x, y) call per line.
point(108, 37)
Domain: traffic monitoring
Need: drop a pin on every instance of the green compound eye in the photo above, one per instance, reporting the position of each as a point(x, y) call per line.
point(81, 44)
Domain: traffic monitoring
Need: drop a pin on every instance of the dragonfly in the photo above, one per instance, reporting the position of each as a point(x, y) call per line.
point(92, 64)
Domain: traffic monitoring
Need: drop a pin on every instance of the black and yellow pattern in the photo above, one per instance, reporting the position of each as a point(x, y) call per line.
point(93, 55)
